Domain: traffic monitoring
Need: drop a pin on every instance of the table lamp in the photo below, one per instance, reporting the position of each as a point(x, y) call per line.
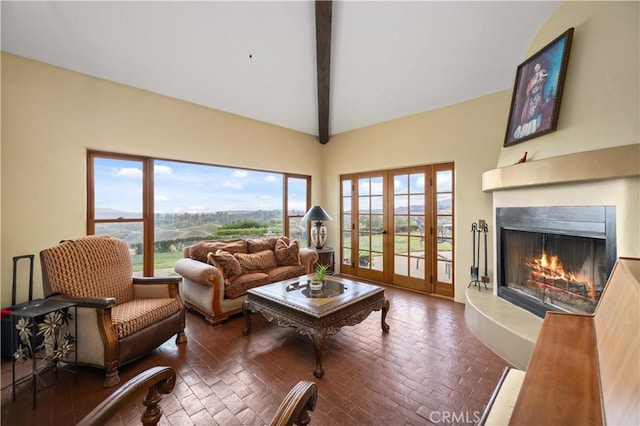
point(318, 231)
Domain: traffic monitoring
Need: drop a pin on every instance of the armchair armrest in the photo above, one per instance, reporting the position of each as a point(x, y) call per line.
point(156, 280)
point(295, 407)
point(152, 287)
point(96, 337)
point(156, 380)
point(86, 302)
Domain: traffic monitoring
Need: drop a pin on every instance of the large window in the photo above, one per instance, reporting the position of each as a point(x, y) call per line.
point(160, 206)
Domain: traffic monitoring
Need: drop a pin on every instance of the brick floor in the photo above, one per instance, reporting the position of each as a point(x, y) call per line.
point(428, 369)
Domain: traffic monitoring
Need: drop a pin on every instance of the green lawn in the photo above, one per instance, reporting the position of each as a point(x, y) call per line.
point(401, 244)
point(162, 260)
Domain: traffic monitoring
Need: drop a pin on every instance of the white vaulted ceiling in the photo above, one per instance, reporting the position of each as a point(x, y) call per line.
point(257, 59)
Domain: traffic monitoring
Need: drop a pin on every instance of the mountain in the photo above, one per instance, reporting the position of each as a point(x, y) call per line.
point(107, 213)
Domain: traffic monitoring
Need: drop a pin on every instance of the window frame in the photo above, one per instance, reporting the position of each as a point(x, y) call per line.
point(148, 212)
point(285, 201)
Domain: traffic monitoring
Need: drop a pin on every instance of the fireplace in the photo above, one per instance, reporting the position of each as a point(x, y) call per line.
point(555, 258)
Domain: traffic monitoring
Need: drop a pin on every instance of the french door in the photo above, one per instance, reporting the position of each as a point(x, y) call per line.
point(364, 225)
point(397, 227)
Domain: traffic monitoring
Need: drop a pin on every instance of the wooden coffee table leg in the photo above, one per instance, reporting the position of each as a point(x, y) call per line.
point(247, 314)
point(318, 338)
point(383, 321)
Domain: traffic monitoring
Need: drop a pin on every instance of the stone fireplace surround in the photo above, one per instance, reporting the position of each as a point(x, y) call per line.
point(606, 177)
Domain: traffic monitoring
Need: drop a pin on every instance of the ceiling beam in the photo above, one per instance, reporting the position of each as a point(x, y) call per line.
point(323, 63)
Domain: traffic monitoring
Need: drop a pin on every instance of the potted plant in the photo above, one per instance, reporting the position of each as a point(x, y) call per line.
point(364, 258)
point(321, 272)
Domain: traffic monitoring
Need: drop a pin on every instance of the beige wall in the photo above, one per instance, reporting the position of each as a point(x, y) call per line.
point(600, 100)
point(469, 134)
point(51, 116)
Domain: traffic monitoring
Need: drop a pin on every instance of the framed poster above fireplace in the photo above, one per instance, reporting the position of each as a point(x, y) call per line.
point(537, 91)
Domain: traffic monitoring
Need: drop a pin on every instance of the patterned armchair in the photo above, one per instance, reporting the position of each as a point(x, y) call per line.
point(120, 317)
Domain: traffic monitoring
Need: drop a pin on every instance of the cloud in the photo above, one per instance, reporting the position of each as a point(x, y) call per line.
point(297, 206)
point(376, 188)
point(129, 172)
point(161, 198)
point(162, 170)
point(231, 184)
point(240, 173)
point(399, 186)
point(270, 178)
point(444, 178)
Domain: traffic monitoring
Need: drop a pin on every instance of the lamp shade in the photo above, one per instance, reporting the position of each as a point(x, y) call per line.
point(317, 213)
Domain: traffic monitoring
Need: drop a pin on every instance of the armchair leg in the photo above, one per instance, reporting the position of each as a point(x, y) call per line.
point(181, 338)
point(111, 378)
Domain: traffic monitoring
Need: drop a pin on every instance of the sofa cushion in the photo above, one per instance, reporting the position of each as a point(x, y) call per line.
point(227, 263)
point(259, 261)
point(281, 273)
point(287, 254)
point(134, 315)
point(245, 282)
point(200, 250)
point(261, 244)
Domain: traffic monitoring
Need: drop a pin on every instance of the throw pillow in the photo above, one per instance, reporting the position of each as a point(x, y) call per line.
point(200, 250)
point(257, 261)
point(287, 254)
point(234, 246)
point(261, 244)
point(227, 263)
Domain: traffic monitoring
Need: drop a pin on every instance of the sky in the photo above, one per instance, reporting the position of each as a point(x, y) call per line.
point(185, 187)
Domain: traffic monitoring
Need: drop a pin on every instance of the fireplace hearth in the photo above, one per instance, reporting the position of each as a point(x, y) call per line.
point(555, 258)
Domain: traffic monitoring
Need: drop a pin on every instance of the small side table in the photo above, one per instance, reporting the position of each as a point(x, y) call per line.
point(326, 256)
point(35, 319)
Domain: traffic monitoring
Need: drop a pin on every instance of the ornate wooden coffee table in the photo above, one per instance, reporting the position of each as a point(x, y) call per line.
point(319, 314)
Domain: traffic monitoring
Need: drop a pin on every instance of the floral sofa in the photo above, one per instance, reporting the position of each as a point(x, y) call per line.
point(217, 274)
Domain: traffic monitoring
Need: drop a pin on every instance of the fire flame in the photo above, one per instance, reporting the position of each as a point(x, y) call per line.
point(554, 265)
point(551, 267)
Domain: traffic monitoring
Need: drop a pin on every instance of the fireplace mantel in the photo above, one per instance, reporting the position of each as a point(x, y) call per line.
point(608, 163)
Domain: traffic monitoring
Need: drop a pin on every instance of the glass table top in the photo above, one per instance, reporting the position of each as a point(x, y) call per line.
point(336, 293)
